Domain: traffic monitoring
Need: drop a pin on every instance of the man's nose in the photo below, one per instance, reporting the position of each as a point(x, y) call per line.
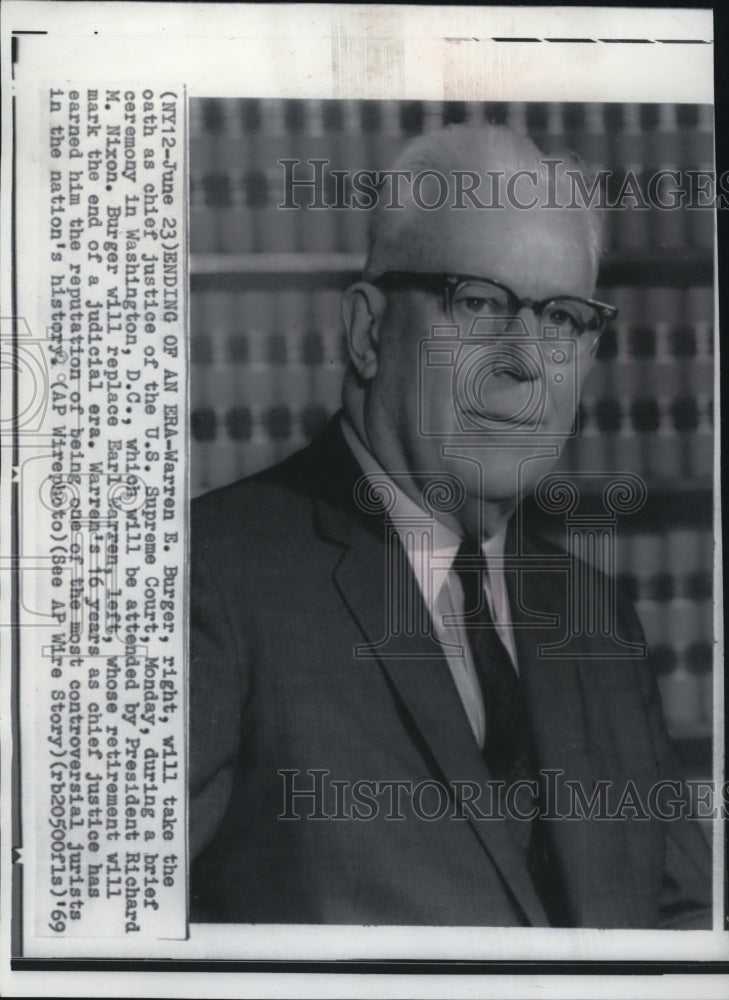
point(525, 323)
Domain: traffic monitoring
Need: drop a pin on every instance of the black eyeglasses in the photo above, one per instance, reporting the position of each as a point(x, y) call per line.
point(468, 299)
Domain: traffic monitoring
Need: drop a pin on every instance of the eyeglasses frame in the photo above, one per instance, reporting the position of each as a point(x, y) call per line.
point(451, 282)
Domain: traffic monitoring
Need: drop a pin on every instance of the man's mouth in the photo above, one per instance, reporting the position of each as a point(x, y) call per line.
point(506, 370)
point(507, 421)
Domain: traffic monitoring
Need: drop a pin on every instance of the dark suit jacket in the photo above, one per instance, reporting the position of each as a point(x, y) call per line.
point(287, 579)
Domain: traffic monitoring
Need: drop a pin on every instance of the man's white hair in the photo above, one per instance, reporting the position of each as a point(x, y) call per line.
point(398, 236)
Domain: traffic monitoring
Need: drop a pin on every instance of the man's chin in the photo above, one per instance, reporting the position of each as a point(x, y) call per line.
point(486, 513)
point(502, 492)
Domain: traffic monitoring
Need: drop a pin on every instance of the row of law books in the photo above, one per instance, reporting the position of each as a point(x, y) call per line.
point(256, 430)
point(661, 438)
point(659, 324)
point(663, 566)
point(662, 340)
point(259, 373)
point(666, 441)
point(626, 125)
point(365, 134)
point(238, 180)
point(241, 440)
point(259, 352)
point(629, 427)
point(233, 213)
point(669, 576)
point(654, 324)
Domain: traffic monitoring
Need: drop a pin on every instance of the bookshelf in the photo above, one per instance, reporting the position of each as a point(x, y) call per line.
point(268, 355)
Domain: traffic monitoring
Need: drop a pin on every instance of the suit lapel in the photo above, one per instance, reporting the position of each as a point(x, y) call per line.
point(558, 691)
point(414, 663)
point(561, 693)
point(552, 691)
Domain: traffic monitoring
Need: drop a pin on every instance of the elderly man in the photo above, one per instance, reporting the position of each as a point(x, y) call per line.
point(382, 729)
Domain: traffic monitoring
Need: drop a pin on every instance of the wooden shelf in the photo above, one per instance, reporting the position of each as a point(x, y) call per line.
point(276, 263)
point(680, 269)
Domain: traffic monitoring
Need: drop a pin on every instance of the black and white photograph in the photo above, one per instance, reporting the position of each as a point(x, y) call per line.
point(372, 742)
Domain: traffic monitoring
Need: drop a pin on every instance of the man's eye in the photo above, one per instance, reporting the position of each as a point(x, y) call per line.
point(563, 319)
point(480, 305)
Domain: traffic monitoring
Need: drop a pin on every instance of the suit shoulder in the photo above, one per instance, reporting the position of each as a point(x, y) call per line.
point(541, 545)
point(289, 474)
point(271, 504)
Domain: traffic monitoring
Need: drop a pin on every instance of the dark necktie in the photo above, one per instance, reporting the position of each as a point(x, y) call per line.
point(508, 750)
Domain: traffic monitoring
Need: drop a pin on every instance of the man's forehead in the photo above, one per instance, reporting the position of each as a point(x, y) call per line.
point(546, 250)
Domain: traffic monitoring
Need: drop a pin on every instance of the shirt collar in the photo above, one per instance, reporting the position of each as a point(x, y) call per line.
point(446, 542)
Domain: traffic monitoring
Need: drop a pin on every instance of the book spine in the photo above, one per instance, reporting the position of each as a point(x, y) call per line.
point(255, 390)
point(354, 220)
point(238, 416)
point(631, 222)
point(681, 690)
point(668, 216)
point(209, 186)
point(202, 415)
point(236, 160)
point(634, 340)
point(702, 183)
point(628, 453)
point(219, 323)
point(701, 441)
point(700, 587)
point(587, 451)
point(274, 227)
point(645, 559)
point(327, 377)
point(294, 388)
point(695, 342)
point(602, 378)
point(612, 433)
point(589, 139)
point(318, 228)
point(277, 417)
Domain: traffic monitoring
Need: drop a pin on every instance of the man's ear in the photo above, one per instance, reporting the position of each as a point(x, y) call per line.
point(363, 309)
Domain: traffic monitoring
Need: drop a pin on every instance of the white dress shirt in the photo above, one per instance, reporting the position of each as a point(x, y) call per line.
point(441, 588)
